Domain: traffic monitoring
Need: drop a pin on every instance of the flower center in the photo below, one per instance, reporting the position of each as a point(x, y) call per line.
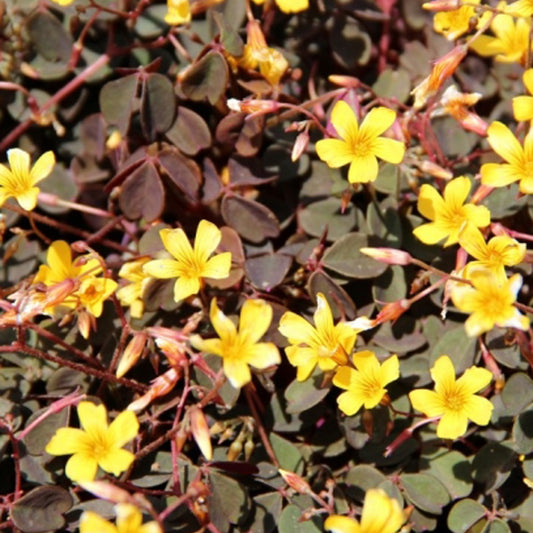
point(454, 399)
point(99, 445)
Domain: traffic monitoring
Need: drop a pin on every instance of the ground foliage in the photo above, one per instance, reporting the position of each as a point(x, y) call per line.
point(141, 118)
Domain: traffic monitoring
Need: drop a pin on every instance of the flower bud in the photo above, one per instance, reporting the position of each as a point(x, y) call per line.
point(160, 386)
point(234, 450)
point(200, 431)
point(295, 481)
point(344, 81)
point(300, 145)
point(106, 491)
point(392, 311)
point(391, 256)
point(442, 5)
point(131, 354)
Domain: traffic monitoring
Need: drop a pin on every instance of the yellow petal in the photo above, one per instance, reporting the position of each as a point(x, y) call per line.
point(218, 266)
point(323, 318)
point(334, 152)
point(81, 467)
point(19, 162)
point(479, 410)
point(523, 107)
point(224, 327)
point(291, 6)
point(389, 150)
point(350, 402)
point(498, 175)
point(297, 329)
point(207, 239)
point(342, 524)
point(443, 374)
point(263, 355)
point(344, 120)
point(92, 523)
point(378, 120)
point(213, 346)
point(150, 527)
point(163, 268)
point(456, 192)
point(176, 243)
point(116, 461)
point(344, 377)
point(123, 429)
point(6, 176)
point(93, 418)
point(363, 169)
point(474, 379)
point(237, 372)
point(390, 370)
point(185, 287)
point(528, 80)
point(129, 518)
point(427, 402)
point(42, 167)
point(66, 441)
point(452, 425)
point(28, 199)
point(59, 259)
point(255, 319)
point(471, 239)
point(430, 233)
point(504, 143)
point(430, 202)
point(381, 513)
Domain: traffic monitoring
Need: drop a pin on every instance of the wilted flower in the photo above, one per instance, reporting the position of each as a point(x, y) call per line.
point(97, 444)
point(454, 401)
point(239, 347)
point(325, 344)
point(365, 385)
point(19, 180)
point(190, 265)
point(360, 146)
point(448, 213)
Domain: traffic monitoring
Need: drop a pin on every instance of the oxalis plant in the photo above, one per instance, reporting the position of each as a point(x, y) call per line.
point(266, 266)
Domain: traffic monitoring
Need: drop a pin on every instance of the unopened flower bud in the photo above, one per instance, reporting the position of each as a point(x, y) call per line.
point(392, 311)
point(56, 294)
point(253, 106)
point(106, 491)
point(300, 145)
point(114, 140)
point(344, 81)
point(131, 354)
point(234, 450)
point(391, 256)
point(434, 170)
point(295, 481)
point(160, 386)
point(249, 447)
point(85, 321)
point(200, 431)
point(442, 5)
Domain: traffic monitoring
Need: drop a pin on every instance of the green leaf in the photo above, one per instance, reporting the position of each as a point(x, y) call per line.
point(288, 455)
point(362, 477)
point(267, 271)
point(458, 346)
point(181, 171)
point(453, 470)
point(49, 37)
point(302, 395)
point(317, 216)
point(37, 439)
point(189, 132)
point(158, 105)
point(425, 491)
point(350, 44)
point(338, 299)
point(289, 522)
point(118, 100)
point(523, 432)
point(206, 79)
point(41, 509)
point(142, 194)
point(464, 514)
point(384, 223)
point(492, 465)
point(267, 512)
point(393, 84)
point(228, 501)
point(344, 257)
point(252, 220)
point(517, 393)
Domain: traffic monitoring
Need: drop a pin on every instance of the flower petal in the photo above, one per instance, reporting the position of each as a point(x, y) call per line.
point(342, 524)
point(129, 518)
point(427, 402)
point(237, 372)
point(344, 120)
point(430, 233)
point(323, 318)
point(452, 425)
point(213, 346)
point(185, 287)
point(116, 461)
point(81, 467)
point(474, 379)
point(334, 152)
point(297, 329)
point(163, 268)
point(206, 241)
point(255, 319)
point(224, 327)
point(378, 120)
point(66, 441)
point(443, 374)
point(456, 192)
point(430, 202)
point(389, 150)
point(6, 176)
point(28, 199)
point(19, 162)
point(263, 355)
point(363, 169)
point(390, 370)
point(479, 410)
point(42, 167)
point(350, 402)
point(504, 143)
point(523, 107)
point(93, 418)
point(93, 523)
point(123, 429)
point(381, 513)
point(499, 175)
point(177, 244)
point(218, 266)
point(344, 377)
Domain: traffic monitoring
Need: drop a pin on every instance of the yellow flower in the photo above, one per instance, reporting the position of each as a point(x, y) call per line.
point(325, 344)
point(288, 6)
point(240, 347)
point(97, 444)
point(19, 181)
point(190, 265)
point(63, 2)
point(366, 385)
point(448, 213)
point(179, 12)
point(495, 255)
point(93, 292)
point(510, 43)
point(381, 514)
point(520, 8)
point(132, 294)
point(519, 166)
point(455, 402)
point(360, 146)
point(523, 105)
point(452, 24)
point(489, 300)
point(129, 520)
